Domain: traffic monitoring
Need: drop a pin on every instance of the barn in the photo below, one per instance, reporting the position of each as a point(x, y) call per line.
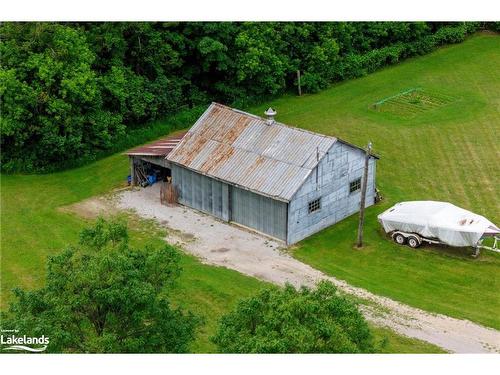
point(285, 182)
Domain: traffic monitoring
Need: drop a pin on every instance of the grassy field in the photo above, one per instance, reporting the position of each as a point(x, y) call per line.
point(441, 146)
point(33, 226)
point(394, 343)
point(447, 152)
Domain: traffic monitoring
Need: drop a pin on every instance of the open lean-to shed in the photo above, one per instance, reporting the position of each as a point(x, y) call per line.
point(282, 181)
point(153, 156)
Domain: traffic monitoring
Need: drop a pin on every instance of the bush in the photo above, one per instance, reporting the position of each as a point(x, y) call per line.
point(449, 35)
point(493, 26)
point(294, 321)
point(312, 82)
point(421, 47)
point(378, 58)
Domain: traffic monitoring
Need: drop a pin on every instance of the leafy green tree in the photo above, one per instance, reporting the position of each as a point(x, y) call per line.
point(104, 296)
point(51, 101)
point(140, 64)
point(294, 321)
point(211, 58)
point(261, 63)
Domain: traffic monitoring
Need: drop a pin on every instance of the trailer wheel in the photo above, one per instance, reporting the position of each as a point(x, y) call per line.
point(399, 239)
point(413, 242)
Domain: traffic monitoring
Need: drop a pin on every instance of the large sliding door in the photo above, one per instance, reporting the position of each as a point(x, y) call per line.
point(201, 192)
point(258, 212)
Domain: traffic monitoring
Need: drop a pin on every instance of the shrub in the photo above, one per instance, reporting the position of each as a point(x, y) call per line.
point(448, 35)
point(294, 321)
point(312, 82)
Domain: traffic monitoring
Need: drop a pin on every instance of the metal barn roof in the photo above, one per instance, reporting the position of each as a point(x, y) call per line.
point(244, 150)
point(161, 147)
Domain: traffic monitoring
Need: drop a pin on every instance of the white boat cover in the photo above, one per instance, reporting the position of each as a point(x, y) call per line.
point(443, 221)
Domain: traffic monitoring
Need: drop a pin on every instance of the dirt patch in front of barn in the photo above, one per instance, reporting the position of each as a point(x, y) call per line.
point(91, 208)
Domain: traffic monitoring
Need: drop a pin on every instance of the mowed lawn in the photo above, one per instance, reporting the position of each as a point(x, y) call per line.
point(33, 227)
point(447, 152)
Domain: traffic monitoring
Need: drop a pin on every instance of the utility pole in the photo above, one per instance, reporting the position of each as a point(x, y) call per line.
point(298, 83)
point(364, 183)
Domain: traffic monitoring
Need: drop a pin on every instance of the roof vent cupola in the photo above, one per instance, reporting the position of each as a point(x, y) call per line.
point(270, 113)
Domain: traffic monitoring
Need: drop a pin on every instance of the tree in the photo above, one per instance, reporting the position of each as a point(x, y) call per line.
point(294, 321)
point(260, 62)
point(51, 101)
point(105, 297)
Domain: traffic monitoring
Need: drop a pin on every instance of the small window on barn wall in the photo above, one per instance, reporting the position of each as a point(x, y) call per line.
point(355, 185)
point(314, 205)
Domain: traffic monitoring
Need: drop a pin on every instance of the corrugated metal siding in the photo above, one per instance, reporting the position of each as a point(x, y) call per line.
point(200, 192)
point(243, 150)
point(258, 212)
point(343, 164)
point(230, 203)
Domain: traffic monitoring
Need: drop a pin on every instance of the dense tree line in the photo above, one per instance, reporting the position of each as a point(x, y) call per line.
point(71, 90)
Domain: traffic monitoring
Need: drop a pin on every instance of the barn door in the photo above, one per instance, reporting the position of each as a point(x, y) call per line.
point(258, 212)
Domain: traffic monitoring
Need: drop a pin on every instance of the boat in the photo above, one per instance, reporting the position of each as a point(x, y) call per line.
point(415, 222)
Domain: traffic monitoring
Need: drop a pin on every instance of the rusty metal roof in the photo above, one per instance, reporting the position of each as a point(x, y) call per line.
point(161, 147)
point(243, 150)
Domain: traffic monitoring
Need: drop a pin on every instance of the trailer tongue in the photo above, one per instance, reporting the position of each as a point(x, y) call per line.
point(438, 222)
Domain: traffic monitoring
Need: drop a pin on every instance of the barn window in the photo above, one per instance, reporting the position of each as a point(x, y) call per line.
point(355, 185)
point(314, 205)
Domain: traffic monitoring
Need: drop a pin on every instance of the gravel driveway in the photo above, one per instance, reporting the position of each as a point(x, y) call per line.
point(222, 244)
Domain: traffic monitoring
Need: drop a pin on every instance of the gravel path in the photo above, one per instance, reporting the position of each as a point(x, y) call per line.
point(221, 244)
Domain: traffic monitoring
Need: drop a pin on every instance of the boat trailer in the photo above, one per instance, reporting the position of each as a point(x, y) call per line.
point(414, 240)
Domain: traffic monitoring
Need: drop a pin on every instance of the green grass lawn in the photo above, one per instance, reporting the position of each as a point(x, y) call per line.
point(32, 227)
point(395, 343)
point(448, 151)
